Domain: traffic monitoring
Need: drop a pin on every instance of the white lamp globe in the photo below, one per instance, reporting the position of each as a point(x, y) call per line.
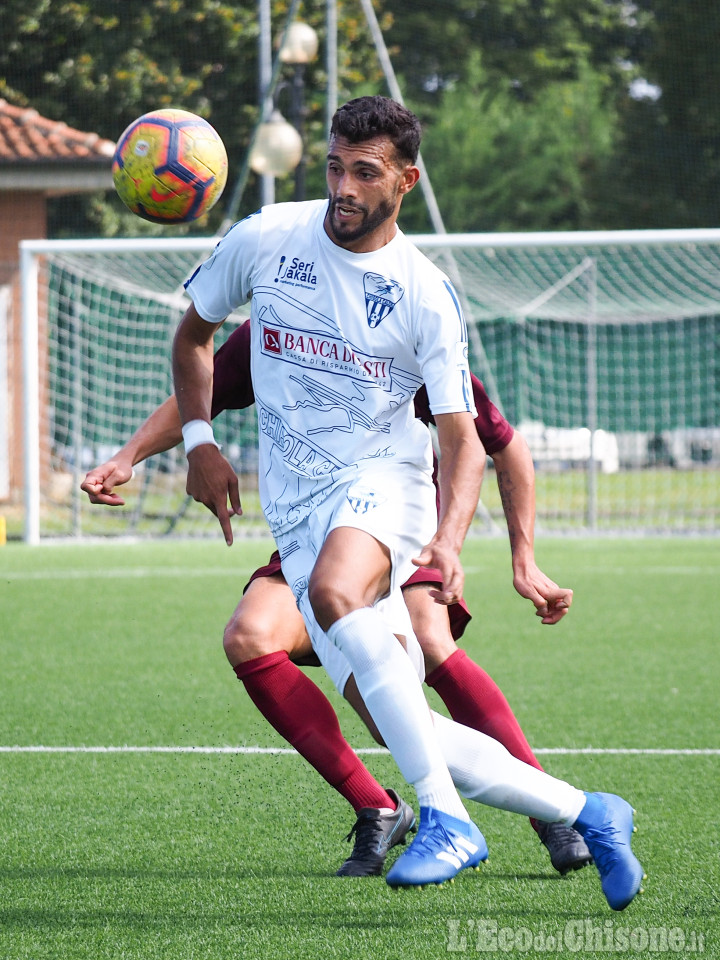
point(300, 44)
point(278, 147)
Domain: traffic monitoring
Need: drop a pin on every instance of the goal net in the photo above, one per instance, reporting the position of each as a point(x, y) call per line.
point(602, 348)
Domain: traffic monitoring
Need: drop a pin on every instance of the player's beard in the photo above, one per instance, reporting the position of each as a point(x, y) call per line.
point(371, 220)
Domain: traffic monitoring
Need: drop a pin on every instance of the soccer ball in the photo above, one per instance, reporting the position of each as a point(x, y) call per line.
point(170, 166)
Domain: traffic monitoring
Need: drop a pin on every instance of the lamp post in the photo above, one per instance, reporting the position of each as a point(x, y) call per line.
point(277, 149)
point(299, 48)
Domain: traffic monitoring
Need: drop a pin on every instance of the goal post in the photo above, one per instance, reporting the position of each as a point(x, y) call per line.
point(603, 348)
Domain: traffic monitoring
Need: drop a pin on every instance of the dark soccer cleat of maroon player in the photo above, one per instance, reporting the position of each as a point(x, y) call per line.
point(375, 834)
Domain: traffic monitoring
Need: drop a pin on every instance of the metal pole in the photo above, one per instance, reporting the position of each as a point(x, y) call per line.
point(237, 193)
point(267, 181)
point(395, 92)
point(31, 392)
point(76, 323)
point(331, 67)
point(592, 397)
point(298, 121)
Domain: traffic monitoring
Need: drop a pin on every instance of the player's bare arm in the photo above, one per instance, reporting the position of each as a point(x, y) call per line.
point(516, 482)
point(211, 480)
point(462, 463)
point(161, 431)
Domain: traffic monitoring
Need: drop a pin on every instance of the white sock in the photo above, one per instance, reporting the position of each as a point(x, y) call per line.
point(483, 770)
point(392, 693)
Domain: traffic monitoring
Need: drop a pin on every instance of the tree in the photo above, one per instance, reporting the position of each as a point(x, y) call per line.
point(500, 162)
point(667, 165)
point(98, 64)
point(524, 43)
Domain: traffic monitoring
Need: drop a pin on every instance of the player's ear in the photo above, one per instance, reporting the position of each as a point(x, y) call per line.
point(410, 177)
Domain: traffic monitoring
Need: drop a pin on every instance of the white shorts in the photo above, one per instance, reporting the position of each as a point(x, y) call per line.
point(396, 505)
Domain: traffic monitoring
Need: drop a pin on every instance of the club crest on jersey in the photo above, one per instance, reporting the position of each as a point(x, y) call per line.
point(381, 295)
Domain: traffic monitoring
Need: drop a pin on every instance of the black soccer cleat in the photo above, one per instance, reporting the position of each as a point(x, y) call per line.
point(375, 834)
point(567, 849)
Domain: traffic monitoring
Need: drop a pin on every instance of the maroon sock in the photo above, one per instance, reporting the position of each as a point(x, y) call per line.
point(303, 715)
point(475, 700)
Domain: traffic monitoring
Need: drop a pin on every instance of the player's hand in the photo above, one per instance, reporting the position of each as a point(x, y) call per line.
point(552, 602)
point(100, 482)
point(442, 557)
point(212, 481)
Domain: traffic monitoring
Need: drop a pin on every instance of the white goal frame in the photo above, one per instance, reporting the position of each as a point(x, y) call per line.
point(448, 244)
point(30, 250)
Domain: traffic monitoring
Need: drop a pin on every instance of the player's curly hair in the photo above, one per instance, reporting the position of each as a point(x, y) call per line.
point(367, 117)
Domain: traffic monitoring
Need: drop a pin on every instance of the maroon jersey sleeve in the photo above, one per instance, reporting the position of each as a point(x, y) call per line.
point(232, 384)
point(493, 429)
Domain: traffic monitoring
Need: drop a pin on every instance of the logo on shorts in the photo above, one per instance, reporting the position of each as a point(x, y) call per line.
point(363, 501)
point(381, 295)
point(299, 587)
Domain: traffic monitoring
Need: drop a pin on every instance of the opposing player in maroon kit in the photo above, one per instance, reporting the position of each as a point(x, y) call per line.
point(266, 639)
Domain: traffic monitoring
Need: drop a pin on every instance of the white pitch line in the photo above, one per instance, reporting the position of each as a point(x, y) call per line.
point(556, 751)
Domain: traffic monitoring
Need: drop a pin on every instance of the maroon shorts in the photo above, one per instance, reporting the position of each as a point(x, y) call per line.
point(458, 612)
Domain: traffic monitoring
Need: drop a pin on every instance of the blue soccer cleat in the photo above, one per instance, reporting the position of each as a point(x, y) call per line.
point(606, 823)
point(442, 848)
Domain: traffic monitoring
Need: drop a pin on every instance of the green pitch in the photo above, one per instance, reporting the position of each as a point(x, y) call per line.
point(187, 854)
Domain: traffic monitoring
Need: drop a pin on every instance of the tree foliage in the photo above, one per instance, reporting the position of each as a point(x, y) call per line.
point(98, 64)
point(531, 117)
point(526, 43)
point(666, 166)
point(501, 162)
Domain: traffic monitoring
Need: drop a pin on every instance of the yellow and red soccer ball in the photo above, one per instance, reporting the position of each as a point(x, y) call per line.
point(170, 166)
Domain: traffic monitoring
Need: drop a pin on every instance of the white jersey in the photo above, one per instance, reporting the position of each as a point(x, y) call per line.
point(340, 343)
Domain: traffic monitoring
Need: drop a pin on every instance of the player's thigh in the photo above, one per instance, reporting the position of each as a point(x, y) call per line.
point(352, 570)
point(366, 533)
point(266, 620)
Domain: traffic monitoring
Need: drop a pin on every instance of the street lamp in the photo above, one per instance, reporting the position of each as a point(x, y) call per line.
point(278, 147)
point(300, 47)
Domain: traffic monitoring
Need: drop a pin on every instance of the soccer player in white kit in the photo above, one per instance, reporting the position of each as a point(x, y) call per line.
point(348, 319)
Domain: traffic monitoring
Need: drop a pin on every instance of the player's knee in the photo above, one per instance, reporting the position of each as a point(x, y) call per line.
point(247, 637)
point(328, 601)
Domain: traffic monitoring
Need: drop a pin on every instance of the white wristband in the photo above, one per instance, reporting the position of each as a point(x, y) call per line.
point(196, 432)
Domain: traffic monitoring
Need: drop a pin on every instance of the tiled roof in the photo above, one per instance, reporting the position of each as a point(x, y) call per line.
point(28, 138)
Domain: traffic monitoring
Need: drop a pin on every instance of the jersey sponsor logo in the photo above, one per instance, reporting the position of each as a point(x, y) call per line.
point(271, 340)
point(296, 272)
point(381, 295)
point(317, 351)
